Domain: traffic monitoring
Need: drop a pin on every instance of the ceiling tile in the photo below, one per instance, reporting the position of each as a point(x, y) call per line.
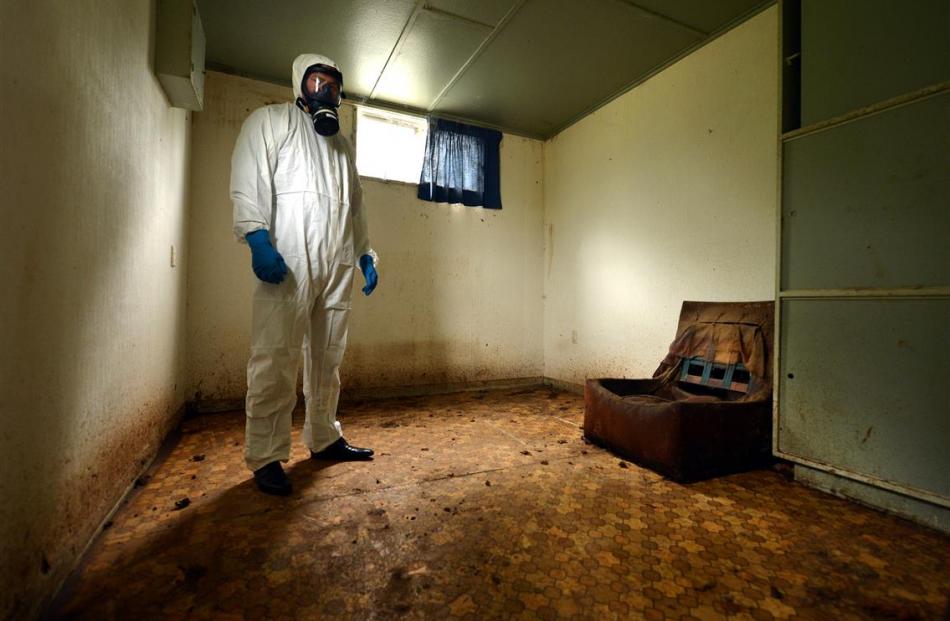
point(484, 11)
point(557, 58)
point(261, 38)
point(702, 14)
point(554, 59)
point(435, 48)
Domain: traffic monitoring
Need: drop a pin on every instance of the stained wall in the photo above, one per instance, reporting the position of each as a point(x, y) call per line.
point(459, 299)
point(93, 191)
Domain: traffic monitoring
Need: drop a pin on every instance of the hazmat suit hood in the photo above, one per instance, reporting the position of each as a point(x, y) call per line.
point(301, 64)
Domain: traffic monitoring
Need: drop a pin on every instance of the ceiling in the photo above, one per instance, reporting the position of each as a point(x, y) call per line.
point(530, 67)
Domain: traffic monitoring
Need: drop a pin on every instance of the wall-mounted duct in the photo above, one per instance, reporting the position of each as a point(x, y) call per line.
point(180, 53)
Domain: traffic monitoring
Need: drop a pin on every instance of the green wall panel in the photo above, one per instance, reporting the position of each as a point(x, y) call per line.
point(858, 53)
point(863, 387)
point(866, 203)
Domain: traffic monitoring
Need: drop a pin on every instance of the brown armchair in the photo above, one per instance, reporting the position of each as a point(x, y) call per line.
point(707, 410)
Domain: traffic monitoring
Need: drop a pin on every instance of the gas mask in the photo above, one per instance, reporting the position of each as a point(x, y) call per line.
point(324, 101)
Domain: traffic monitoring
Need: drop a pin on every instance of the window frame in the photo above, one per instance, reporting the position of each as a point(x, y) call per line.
point(393, 117)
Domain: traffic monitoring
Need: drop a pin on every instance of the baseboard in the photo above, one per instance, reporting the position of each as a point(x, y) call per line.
point(919, 511)
point(563, 385)
point(388, 392)
point(169, 439)
point(208, 406)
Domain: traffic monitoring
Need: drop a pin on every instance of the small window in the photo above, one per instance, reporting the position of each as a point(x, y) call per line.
point(390, 145)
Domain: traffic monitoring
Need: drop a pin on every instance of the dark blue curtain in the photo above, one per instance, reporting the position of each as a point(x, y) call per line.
point(461, 165)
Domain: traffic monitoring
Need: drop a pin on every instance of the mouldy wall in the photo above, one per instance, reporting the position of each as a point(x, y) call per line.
point(459, 298)
point(666, 194)
point(93, 179)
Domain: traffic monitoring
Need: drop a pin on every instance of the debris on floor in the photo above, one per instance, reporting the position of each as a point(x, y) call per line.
point(578, 538)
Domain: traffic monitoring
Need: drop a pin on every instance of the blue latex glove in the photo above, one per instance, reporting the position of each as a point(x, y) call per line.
point(369, 273)
point(266, 262)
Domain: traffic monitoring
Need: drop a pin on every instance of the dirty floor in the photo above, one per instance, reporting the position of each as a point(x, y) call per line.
point(491, 506)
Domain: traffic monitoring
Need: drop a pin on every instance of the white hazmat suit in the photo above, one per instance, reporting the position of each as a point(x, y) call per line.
point(304, 189)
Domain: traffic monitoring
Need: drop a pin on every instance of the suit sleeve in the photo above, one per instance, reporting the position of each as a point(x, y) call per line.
point(252, 174)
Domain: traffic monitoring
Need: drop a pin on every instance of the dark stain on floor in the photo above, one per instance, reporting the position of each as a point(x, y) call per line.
point(489, 505)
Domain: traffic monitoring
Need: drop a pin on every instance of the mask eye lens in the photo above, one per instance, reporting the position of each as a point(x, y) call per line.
point(323, 87)
point(328, 92)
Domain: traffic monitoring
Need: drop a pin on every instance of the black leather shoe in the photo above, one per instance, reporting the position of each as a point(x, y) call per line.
point(341, 451)
point(271, 479)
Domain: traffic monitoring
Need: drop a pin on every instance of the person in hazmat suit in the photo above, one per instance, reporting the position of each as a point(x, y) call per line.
point(298, 205)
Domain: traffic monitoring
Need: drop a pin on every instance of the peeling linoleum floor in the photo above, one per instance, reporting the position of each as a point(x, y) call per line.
point(491, 506)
